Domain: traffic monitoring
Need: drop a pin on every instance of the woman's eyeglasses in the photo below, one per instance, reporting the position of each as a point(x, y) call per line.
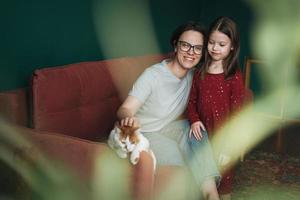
point(185, 46)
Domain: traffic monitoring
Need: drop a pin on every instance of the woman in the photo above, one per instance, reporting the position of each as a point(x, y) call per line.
point(158, 100)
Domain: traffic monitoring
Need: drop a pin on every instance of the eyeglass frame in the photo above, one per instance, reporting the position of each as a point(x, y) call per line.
point(190, 46)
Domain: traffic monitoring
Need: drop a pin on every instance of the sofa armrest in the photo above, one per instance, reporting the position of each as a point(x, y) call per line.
point(13, 106)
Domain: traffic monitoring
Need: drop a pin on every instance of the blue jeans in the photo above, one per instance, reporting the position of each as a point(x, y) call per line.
point(201, 159)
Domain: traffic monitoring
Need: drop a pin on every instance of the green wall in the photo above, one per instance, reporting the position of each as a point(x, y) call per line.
point(44, 33)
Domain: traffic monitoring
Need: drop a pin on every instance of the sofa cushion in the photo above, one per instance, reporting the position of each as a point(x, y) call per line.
point(77, 99)
point(77, 155)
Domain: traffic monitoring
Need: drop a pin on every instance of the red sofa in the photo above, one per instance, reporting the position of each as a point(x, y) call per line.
point(70, 111)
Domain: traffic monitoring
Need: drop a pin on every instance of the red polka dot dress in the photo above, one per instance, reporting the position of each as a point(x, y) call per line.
point(212, 101)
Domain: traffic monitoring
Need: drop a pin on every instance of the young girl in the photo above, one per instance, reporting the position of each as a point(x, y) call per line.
point(217, 90)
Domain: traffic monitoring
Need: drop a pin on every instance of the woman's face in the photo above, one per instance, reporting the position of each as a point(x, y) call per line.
point(219, 46)
point(188, 43)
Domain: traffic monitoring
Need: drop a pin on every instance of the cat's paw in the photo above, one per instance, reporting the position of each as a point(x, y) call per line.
point(134, 158)
point(122, 154)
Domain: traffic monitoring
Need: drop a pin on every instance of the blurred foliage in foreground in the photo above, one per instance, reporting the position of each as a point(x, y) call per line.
point(276, 39)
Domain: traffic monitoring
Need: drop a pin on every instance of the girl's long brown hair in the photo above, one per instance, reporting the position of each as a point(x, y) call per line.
point(231, 63)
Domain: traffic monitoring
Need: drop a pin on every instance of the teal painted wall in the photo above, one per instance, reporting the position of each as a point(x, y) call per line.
point(39, 33)
point(44, 33)
point(204, 11)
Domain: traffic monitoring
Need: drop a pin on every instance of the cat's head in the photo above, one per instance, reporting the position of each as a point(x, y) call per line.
point(128, 136)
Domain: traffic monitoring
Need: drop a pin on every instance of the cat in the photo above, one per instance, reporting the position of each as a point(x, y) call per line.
point(128, 141)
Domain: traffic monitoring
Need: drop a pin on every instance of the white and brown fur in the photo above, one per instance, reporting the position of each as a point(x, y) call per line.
point(128, 141)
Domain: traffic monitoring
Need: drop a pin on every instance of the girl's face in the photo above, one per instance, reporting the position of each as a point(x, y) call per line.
point(219, 46)
point(187, 49)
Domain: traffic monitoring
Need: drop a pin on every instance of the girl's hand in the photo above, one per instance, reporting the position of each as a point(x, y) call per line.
point(196, 130)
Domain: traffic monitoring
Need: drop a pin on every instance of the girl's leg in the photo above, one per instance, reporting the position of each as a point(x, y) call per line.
point(204, 167)
point(209, 190)
point(201, 162)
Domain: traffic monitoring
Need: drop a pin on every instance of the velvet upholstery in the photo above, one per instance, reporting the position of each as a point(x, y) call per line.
point(77, 156)
point(13, 106)
point(78, 100)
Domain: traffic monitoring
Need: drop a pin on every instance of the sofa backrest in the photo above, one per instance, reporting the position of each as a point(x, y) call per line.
point(81, 99)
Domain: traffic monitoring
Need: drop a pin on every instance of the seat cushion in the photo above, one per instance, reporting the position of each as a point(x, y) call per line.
point(77, 155)
point(78, 100)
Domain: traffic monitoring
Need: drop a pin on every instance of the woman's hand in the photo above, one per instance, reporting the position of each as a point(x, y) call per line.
point(127, 111)
point(130, 121)
point(196, 129)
